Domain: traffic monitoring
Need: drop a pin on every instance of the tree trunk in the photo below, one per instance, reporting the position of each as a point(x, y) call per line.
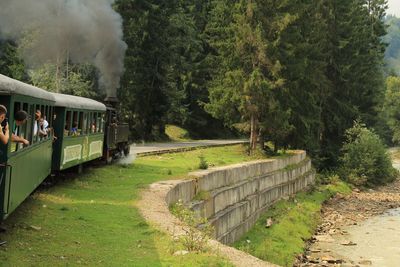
point(253, 133)
point(261, 140)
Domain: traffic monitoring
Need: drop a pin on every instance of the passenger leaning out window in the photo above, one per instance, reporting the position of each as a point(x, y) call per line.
point(4, 131)
point(74, 129)
point(20, 118)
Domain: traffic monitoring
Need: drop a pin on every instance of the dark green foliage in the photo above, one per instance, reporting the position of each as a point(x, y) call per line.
point(355, 70)
point(203, 165)
point(293, 73)
point(165, 66)
point(391, 112)
point(10, 63)
point(365, 160)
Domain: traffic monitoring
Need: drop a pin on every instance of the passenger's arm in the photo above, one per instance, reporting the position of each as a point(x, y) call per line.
point(17, 139)
point(4, 136)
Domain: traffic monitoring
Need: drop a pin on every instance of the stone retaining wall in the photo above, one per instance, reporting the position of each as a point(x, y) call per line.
point(235, 196)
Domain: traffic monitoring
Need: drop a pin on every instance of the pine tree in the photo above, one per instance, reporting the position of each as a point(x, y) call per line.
point(241, 92)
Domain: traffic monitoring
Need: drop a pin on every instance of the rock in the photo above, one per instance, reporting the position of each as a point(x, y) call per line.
point(365, 262)
point(324, 238)
point(348, 243)
point(269, 223)
point(181, 252)
point(36, 228)
point(314, 260)
point(315, 250)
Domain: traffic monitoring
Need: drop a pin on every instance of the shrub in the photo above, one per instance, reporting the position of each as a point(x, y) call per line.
point(203, 163)
point(197, 230)
point(365, 160)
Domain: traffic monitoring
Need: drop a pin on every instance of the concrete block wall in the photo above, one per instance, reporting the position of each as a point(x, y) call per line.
point(238, 194)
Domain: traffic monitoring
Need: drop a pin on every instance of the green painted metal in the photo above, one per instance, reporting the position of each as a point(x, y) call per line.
point(23, 170)
point(27, 170)
point(79, 149)
point(70, 151)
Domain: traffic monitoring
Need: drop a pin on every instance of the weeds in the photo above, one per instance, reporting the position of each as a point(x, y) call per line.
point(203, 165)
point(193, 240)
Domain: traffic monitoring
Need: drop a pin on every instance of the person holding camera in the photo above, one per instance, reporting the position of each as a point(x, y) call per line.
point(4, 131)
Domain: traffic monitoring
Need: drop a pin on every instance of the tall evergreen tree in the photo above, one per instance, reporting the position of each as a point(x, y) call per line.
point(242, 93)
point(354, 69)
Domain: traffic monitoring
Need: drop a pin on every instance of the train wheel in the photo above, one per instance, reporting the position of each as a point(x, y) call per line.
point(109, 157)
point(127, 149)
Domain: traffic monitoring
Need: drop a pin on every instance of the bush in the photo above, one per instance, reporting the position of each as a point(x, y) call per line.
point(197, 230)
point(365, 160)
point(203, 165)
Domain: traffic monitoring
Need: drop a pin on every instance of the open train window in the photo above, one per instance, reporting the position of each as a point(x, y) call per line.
point(93, 124)
point(15, 128)
point(84, 122)
point(20, 129)
point(75, 120)
point(80, 123)
point(67, 126)
point(44, 123)
point(103, 120)
point(98, 122)
point(28, 108)
point(34, 122)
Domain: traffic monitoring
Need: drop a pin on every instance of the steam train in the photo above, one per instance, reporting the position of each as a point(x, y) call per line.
point(79, 130)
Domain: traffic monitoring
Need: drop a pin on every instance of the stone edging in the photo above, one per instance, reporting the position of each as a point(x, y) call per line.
point(155, 210)
point(155, 201)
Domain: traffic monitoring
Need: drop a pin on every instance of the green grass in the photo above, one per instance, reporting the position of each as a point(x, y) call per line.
point(176, 133)
point(294, 221)
point(92, 219)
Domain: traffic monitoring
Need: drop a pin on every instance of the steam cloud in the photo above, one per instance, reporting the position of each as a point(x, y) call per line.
point(83, 30)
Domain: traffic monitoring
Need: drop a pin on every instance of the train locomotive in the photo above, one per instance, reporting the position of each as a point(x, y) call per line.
point(79, 130)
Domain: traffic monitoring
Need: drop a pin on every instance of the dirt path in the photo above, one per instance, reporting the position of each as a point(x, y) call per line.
point(354, 229)
point(154, 209)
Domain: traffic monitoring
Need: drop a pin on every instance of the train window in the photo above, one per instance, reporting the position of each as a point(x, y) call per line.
point(15, 127)
point(34, 124)
point(44, 124)
point(98, 122)
point(74, 129)
point(67, 126)
point(28, 109)
point(50, 118)
point(103, 116)
point(80, 123)
point(94, 123)
point(19, 129)
point(83, 122)
point(88, 120)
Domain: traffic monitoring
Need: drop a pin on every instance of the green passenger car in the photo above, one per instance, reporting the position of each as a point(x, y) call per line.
point(24, 167)
point(79, 128)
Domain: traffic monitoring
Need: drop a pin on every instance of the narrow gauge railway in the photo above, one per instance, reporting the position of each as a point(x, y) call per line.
point(79, 130)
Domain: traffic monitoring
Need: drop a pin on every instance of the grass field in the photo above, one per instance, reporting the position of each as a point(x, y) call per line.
point(294, 221)
point(91, 219)
point(176, 133)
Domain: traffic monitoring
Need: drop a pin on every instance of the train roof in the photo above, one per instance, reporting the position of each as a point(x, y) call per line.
point(9, 86)
point(78, 102)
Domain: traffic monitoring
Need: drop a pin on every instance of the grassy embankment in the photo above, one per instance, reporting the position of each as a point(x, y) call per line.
point(294, 221)
point(176, 133)
point(92, 219)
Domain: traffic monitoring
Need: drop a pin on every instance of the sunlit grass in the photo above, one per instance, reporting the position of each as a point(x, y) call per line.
point(294, 221)
point(92, 219)
point(176, 133)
